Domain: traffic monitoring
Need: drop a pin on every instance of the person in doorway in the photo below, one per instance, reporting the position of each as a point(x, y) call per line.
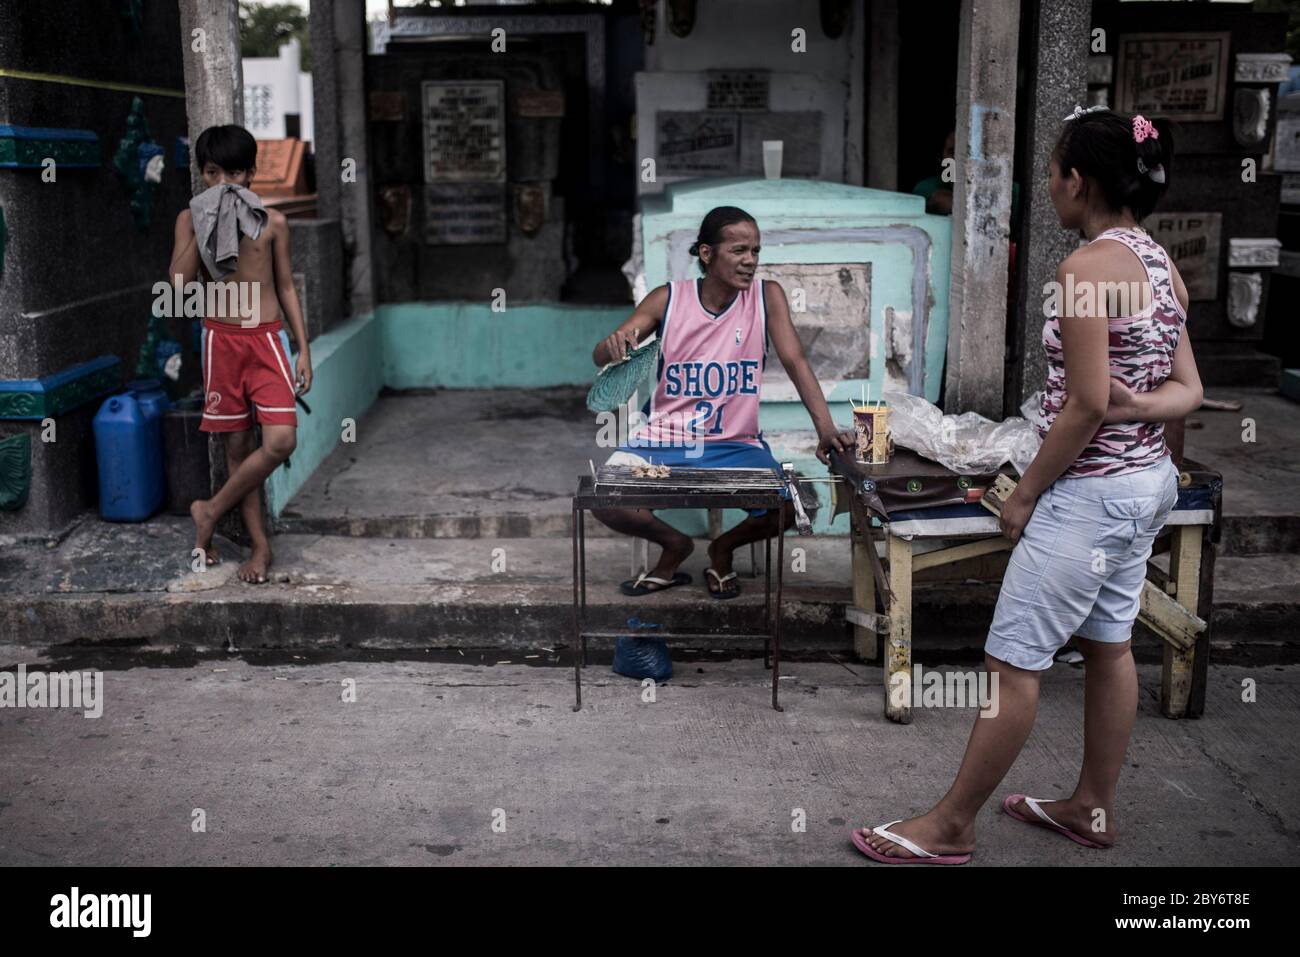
point(714, 336)
point(242, 250)
point(1088, 507)
point(936, 190)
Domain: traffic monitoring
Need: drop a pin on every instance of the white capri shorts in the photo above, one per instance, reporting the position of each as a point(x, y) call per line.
point(1080, 563)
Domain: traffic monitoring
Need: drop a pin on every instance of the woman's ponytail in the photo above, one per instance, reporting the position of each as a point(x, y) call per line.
point(1129, 156)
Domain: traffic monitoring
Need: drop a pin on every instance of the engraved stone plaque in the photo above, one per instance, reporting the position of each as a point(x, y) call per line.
point(461, 213)
point(1181, 75)
point(696, 143)
point(1192, 241)
point(738, 90)
point(464, 131)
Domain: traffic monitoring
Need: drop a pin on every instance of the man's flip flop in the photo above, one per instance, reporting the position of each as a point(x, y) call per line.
point(1042, 820)
point(723, 593)
point(637, 588)
point(921, 855)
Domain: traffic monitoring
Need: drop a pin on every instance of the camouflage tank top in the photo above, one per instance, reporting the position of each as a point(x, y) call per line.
point(1141, 356)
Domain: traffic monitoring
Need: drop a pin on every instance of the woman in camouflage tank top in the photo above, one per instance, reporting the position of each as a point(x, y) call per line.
point(1088, 507)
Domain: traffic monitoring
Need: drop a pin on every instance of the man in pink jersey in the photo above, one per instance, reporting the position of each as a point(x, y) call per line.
point(714, 334)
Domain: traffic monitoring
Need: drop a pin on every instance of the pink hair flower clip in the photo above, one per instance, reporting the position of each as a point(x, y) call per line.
point(1142, 128)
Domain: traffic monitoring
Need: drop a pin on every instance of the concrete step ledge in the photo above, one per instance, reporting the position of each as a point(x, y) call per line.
point(1242, 534)
point(133, 583)
point(515, 617)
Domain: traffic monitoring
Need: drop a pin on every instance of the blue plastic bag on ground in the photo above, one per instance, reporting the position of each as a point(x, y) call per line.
point(642, 657)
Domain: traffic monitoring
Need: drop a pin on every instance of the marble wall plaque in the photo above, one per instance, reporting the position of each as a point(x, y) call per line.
point(1180, 75)
point(462, 213)
point(1286, 154)
point(464, 131)
point(1291, 189)
point(387, 106)
point(689, 142)
point(738, 90)
point(539, 103)
point(1193, 241)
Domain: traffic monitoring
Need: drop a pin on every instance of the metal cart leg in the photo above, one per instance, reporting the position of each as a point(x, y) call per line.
point(582, 583)
point(898, 655)
point(767, 603)
point(577, 619)
point(776, 619)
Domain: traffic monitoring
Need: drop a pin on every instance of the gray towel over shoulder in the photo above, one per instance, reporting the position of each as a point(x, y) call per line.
point(221, 214)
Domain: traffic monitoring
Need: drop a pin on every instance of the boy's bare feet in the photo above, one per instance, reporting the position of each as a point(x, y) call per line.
point(253, 571)
point(205, 523)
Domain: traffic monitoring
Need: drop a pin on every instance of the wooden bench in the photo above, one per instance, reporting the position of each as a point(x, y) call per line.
point(1175, 605)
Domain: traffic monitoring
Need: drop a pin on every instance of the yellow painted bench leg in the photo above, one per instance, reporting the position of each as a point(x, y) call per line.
point(1185, 573)
point(866, 644)
point(898, 654)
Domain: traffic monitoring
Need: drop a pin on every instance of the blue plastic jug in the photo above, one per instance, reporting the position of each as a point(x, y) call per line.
point(128, 453)
point(154, 402)
point(152, 398)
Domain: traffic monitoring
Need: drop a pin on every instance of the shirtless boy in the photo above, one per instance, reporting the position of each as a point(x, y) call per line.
point(246, 372)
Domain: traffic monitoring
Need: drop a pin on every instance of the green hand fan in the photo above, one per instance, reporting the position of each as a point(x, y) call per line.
point(618, 380)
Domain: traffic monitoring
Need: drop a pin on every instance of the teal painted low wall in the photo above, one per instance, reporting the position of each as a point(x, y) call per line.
point(436, 346)
point(347, 363)
point(460, 345)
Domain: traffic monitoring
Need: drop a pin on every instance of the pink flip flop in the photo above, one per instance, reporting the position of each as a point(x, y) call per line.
point(922, 855)
point(1042, 820)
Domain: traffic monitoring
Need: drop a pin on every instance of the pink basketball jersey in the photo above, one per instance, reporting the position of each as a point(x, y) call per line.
point(709, 371)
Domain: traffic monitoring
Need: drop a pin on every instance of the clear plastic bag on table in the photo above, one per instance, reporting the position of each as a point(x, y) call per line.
point(964, 443)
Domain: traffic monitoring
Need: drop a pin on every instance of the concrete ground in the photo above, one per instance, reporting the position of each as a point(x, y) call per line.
point(454, 463)
point(430, 755)
point(1258, 452)
point(430, 565)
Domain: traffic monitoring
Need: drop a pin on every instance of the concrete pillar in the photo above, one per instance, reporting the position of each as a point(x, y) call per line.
point(325, 119)
point(338, 36)
point(214, 95)
point(882, 95)
point(1058, 58)
point(214, 71)
point(986, 104)
point(854, 148)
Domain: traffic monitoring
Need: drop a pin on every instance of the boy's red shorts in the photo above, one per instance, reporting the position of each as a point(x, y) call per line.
point(245, 369)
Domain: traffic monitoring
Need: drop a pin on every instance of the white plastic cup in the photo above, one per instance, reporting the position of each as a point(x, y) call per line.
point(773, 151)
